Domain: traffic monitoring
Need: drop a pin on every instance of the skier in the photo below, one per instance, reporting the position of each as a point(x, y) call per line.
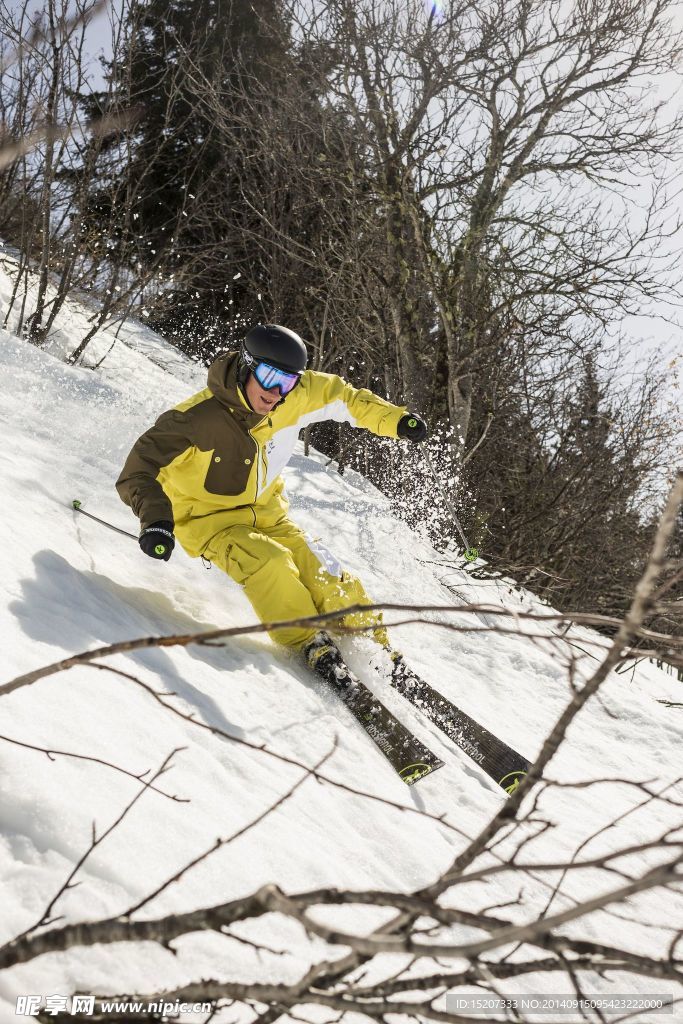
point(209, 473)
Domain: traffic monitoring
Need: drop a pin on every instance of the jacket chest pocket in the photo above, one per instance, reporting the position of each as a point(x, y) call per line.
point(229, 473)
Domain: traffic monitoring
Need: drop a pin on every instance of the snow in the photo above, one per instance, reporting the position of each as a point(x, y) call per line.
point(70, 585)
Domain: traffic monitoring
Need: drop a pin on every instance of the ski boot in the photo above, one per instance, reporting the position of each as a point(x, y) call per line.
point(324, 657)
point(398, 670)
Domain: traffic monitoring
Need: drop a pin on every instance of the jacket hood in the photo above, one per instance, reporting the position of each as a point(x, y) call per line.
point(225, 387)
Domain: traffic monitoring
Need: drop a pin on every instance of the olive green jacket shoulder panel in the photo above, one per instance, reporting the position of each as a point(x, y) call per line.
point(166, 442)
point(212, 453)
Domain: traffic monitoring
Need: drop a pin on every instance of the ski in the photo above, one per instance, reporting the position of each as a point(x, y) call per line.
point(501, 763)
point(410, 758)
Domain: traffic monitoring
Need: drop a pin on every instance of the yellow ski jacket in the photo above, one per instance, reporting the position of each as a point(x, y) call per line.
point(212, 462)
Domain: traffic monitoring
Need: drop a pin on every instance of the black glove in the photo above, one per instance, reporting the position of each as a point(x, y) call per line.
point(157, 540)
point(412, 428)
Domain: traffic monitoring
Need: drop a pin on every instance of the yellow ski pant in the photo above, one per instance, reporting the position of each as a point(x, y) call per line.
point(286, 575)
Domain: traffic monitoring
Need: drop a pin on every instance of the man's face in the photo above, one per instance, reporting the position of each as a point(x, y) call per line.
point(259, 398)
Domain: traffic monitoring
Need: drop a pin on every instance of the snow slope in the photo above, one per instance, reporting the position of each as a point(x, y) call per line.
point(69, 584)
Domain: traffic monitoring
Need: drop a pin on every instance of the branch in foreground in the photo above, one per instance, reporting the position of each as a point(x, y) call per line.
point(46, 917)
point(52, 753)
point(270, 898)
point(261, 748)
point(209, 637)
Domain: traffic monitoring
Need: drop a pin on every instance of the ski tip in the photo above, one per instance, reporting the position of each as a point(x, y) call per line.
point(412, 773)
point(76, 504)
point(511, 782)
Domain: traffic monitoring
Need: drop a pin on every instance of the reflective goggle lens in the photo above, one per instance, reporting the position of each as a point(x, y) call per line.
point(270, 377)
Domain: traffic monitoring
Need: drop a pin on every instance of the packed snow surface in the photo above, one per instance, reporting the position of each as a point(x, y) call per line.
point(70, 585)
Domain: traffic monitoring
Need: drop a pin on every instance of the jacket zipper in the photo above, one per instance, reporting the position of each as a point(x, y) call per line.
point(253, 509)
point(259, 454)
point(263, 465)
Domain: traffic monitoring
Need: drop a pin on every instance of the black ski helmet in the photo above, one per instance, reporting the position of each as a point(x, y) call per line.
point(270, 343)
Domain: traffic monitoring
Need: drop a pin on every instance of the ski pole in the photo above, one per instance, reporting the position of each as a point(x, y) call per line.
point(76, 506)
point(470, 553)
point(160, 548)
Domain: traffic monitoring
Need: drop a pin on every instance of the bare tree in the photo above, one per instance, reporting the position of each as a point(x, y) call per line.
point(57, 151)
point(506, 143)
point(44, 66)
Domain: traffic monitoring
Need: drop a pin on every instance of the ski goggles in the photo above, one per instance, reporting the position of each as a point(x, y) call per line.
point(271, 377)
